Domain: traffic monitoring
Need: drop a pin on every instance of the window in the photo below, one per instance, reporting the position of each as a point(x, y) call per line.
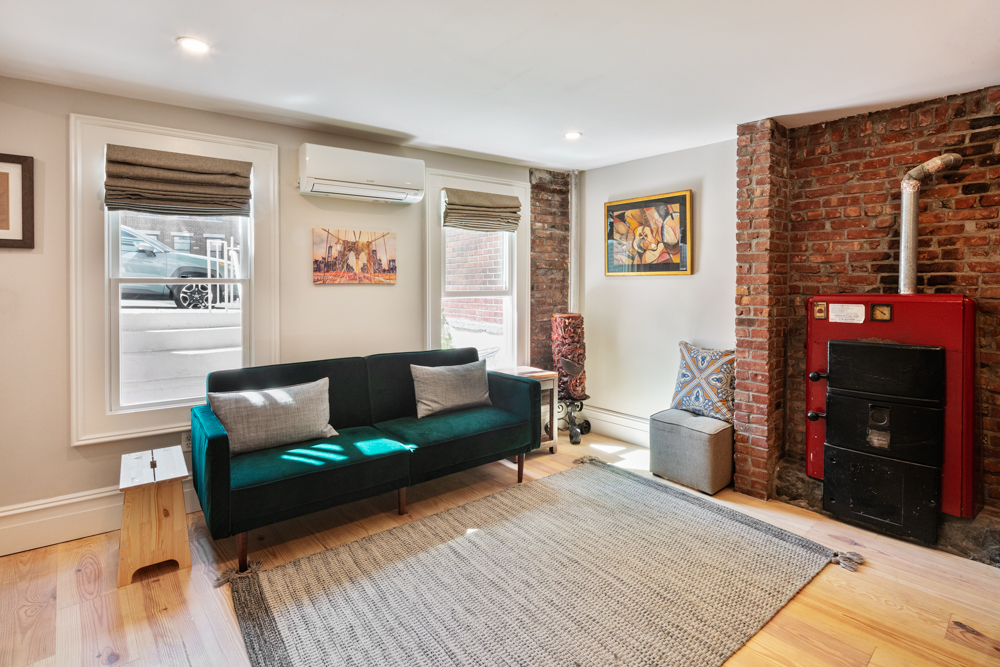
point(137, 299)
point(476, 304)
point(477, 282)
point(182, 242)
point(172, 328)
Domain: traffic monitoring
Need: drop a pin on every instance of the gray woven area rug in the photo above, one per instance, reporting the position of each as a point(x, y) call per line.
point(590, 566)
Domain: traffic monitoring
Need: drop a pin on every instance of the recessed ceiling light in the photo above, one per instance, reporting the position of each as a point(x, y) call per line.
point(573, 135)
point(193, 44)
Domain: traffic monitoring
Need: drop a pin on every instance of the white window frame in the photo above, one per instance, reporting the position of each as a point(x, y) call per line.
point(518, 269)
point(93, 345)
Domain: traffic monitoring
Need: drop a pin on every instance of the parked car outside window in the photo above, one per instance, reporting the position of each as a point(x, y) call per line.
point(145, 257)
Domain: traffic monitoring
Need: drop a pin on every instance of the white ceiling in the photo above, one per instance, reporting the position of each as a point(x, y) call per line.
point(506, 79)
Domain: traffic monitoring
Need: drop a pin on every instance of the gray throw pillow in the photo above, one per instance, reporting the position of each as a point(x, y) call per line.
point(265, 418)
point(448, 388)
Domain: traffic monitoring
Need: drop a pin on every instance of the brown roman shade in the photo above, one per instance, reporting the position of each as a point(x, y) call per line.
point(481, 211)
point(140, 179)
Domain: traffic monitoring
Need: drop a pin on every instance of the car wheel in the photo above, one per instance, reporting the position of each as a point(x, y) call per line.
point(192, 296)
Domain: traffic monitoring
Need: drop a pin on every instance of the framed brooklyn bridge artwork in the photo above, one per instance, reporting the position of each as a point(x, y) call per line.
point(353, 256)
point(649, 236)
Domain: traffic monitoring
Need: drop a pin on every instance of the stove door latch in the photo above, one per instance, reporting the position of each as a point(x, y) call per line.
point(878, 426)
point(812, 415)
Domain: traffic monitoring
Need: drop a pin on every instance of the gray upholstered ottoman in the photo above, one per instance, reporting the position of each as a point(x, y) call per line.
point(691, 450)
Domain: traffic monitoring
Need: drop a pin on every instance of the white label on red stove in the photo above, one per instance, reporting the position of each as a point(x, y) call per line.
point(848, 313)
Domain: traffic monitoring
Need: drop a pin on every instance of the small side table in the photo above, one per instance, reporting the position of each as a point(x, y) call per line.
point(154, 524)
point(548, 380)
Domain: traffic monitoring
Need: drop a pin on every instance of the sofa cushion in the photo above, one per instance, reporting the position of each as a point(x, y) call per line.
point(449, 440)
point(264, 418)
point(450, 388)
point(390, 381)
point(348, 385)
point(271, 481)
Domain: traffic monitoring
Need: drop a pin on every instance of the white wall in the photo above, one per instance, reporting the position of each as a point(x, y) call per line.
point(323, 321)
point(634, 323)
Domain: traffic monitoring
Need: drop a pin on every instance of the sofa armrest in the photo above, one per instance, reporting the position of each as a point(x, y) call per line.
point(210, 463)
point(522, 396)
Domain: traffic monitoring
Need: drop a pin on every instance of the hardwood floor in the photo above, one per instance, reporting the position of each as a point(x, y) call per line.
point(908, 605)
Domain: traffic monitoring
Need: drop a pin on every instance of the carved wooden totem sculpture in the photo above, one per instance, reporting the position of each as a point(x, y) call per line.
point(569, 352)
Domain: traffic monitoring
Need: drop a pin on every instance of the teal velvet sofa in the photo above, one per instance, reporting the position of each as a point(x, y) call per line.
point(381, 445)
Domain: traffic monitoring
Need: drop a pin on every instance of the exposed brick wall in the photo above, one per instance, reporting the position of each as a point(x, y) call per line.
point(484, 310)
point(761, 302)
point(844, 209)
point(474, 261)
point(550, 220)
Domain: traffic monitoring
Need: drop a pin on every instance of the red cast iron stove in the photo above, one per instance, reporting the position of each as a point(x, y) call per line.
point(890, 397)
point(939, 320)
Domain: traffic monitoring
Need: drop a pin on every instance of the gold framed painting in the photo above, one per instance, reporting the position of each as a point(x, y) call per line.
point(17, 201)
point(649, 236)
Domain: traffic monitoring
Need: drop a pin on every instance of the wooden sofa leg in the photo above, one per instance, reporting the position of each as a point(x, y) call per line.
point(241, 551)
point(402, 501)
point(520, 468)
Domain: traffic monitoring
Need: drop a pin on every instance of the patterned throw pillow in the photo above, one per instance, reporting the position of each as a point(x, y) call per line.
point(706, 382)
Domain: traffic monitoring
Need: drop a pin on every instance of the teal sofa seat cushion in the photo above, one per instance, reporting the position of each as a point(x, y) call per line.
point(280, 481)
point(458, 440)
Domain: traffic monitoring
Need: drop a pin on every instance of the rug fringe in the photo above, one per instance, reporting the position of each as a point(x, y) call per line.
point(232, 573)
point(849, 560)
point(589, 458)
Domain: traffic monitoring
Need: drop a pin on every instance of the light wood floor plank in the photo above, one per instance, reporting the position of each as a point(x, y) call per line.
point(28, 606)
point(95, 632)
point(898, 657)
point(215, 606)
point(88, 568)
point(790, 651)
point(801, 626)
point(973, 634)
point(169, 616)
point(934, 572)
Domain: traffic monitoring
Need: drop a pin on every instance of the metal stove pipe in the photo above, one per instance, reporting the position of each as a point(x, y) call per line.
point(908, 227)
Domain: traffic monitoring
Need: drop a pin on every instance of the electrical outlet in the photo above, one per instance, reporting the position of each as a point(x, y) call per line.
point(186, 441)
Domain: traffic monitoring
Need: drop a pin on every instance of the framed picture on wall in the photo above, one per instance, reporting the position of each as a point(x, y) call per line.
point(17, 201)
point(649, 236)
point(345, 256)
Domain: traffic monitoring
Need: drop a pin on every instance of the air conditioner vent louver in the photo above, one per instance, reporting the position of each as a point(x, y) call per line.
point(347, 190)
point(337, 172)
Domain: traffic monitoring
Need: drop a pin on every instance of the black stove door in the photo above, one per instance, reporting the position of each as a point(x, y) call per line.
point(905, 371)
point(887, 495)
point(885, 428)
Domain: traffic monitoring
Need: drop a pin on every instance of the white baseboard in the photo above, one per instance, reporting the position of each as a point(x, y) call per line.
point(53, 520)
point(631, 429)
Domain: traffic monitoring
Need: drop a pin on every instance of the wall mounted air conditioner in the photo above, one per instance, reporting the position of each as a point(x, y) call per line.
point(338, 172)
